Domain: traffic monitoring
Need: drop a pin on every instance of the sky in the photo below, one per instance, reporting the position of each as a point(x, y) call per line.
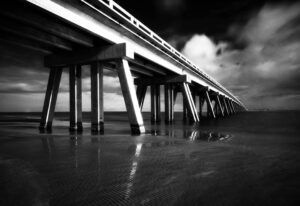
point(252, 47)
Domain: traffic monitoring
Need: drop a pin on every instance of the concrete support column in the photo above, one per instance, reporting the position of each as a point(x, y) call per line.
point(210, 109)
point(50, 98)
point(130, 98)
point(190, 105)
point(169, 103)
point(225, 106)
point(219, 105)
point(97, 106)
point(232, 104)
point(155, 103)
point(75, 97)
point(141, 93)
point(201, 103)
point(228, 106)
point(215, 107)
point(184, 110)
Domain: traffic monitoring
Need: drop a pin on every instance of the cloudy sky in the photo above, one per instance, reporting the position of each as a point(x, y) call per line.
point(252, 47)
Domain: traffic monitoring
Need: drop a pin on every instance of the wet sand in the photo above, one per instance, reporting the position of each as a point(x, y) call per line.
point(247, 159)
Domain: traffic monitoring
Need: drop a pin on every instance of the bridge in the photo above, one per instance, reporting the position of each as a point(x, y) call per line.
point(103, 35)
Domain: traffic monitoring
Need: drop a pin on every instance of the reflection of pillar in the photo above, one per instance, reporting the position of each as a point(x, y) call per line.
point(130, 98)
point(75, 97)
point(50, 98)
point(48, 144)
point(155, 103)
point(74, 142)
point(97, 96)
point(169, 103)
point(133, 170)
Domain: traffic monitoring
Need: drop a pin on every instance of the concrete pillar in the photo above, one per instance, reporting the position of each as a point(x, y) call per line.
point(231, 106)
point(169, 103)
point(50, 98)
point(130, 98)
point(172, 100)
point(97, 106)
point(228, 106)
point(201, 103)
point(75, 97)
point(232, 103)
point(141, 93)
point(184, 110)
point(190, 105)
point(215, 107)
point(225, 106)
point(210, 109)
point(219, 105)
point(155, 103)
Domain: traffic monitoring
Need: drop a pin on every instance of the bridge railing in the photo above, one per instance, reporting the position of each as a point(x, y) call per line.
point(124, 17)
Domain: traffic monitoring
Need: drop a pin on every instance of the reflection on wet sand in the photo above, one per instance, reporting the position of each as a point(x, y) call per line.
point(133, 170)
point(173, 164)
point(193, 133)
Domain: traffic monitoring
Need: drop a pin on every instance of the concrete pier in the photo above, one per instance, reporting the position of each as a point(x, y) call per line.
point(169, 103)
point(210, 109)
point(97, 104)
point(155, 103)
point(189, 102)
point(75, 97)
point(220, 105)
point(50, 98)
point(130, 98)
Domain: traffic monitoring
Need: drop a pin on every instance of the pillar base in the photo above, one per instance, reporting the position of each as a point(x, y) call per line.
point(137, 129)
point(43, 128)
point(77, 127)
point(96, 128)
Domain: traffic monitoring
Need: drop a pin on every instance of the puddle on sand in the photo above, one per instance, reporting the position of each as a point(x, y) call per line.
point(208, 136)
point(192, 135)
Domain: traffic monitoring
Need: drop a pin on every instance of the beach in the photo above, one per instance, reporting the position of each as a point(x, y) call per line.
point(250, 158)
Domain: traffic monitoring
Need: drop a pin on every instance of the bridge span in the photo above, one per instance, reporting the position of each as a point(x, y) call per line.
point(100, 33)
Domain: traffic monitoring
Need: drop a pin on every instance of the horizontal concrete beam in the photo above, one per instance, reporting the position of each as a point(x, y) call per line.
point(162, 80)
point(148, 67)
point(85, 56)
point(31, 17)
point(21, 30)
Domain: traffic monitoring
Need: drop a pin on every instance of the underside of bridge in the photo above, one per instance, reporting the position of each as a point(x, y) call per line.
point(66, 45)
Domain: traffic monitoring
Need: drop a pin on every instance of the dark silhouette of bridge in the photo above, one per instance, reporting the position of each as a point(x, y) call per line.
point(102, 34)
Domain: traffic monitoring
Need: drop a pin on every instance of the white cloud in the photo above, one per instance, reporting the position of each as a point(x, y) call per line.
point(268, 66)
